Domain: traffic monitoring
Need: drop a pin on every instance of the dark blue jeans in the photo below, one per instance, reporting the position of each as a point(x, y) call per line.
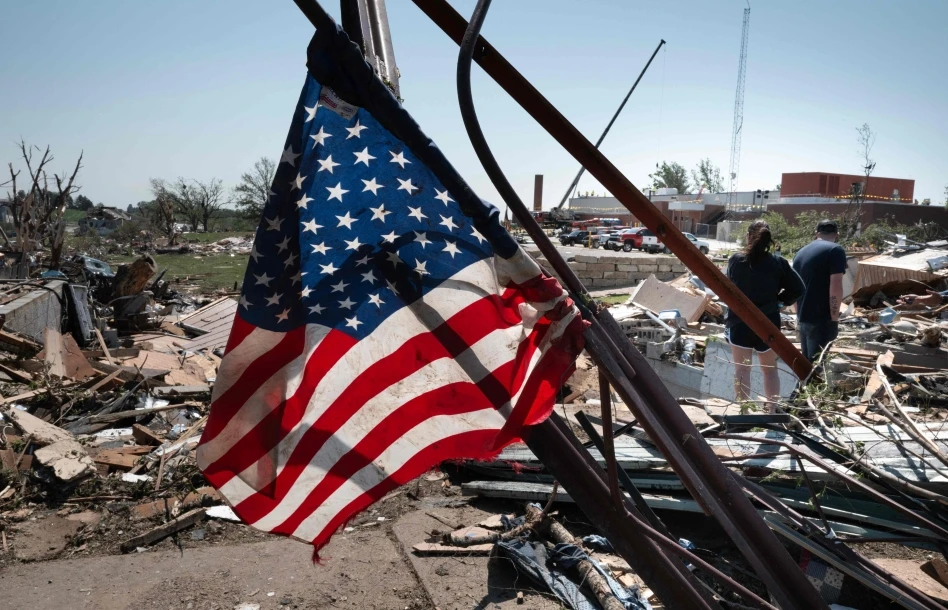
point(815, 335)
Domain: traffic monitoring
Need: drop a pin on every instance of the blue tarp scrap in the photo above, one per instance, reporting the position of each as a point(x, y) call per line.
point(532, 560)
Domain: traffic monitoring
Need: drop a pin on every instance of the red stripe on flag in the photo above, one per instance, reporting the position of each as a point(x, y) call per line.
point(453, 399)
point(467, 327)
point(238, 332)
point(252, 377)
point(445, 449)
point(273, 428)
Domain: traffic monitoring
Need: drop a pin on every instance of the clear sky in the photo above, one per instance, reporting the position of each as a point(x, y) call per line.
point(201, 88)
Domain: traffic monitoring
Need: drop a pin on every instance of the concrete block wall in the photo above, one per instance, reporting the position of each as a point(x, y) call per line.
point(598, 272)
point(35, 311)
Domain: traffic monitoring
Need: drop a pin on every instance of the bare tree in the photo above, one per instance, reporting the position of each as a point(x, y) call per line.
point(857, 195)
point(38, 212)
point(163, 211)
point(253, 192)
point(208, 199)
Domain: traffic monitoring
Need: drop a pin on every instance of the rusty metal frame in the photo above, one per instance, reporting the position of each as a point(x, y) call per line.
point(542, 111)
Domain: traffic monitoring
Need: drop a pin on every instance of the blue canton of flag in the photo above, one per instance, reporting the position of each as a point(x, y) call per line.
point(355, 228)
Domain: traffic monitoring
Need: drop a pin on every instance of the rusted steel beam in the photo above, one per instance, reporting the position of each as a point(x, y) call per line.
point(521, 90)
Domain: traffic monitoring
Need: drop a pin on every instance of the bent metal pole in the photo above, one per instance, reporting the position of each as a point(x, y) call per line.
point(538, 107)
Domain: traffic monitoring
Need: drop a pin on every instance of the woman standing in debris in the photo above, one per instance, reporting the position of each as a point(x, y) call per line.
point(770, 283)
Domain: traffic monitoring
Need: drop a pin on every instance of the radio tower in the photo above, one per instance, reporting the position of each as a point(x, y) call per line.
point(738, 111)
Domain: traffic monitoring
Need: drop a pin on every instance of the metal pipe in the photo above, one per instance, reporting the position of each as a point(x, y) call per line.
point(624, 478)
point(524, 93)
point(605, 131)
point(609, 446)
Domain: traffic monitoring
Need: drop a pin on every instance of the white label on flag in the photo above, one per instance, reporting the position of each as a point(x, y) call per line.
point(329, 99)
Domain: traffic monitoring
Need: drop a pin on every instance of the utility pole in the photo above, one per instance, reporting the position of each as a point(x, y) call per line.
point(366, 23)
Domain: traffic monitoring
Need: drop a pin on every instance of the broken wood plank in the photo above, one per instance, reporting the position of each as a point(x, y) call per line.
point(160, 533)
point(114, 459)
point(105, 348)
point(144, 436)
point(54, 352)
point(163, 506)
point(15, 375)
point(120, 352)
point(20, 342)
point(120, 415)
point(436, 548)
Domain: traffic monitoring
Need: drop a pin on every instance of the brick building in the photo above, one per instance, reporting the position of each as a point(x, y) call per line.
point(821, 184)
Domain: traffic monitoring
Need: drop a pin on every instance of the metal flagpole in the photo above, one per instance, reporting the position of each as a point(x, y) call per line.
point(605, 131)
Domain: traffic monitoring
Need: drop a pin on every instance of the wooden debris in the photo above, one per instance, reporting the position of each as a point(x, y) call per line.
point(144, 436)
point(54, 352)
point(436, 548)
point(161, 532)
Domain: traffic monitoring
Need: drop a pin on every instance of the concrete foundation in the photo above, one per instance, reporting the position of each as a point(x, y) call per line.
point(35, 311)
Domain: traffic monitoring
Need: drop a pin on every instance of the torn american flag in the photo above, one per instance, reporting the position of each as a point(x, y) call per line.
point(387, 321)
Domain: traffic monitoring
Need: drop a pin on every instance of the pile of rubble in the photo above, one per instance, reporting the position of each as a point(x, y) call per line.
point(105, 381)
point(859, 453)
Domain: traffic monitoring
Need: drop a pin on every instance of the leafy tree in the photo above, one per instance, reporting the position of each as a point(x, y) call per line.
point(778, 187)
point(670, 175)
point(82, 203)
point(253, 192)
point(130, 209)
point(709, 175)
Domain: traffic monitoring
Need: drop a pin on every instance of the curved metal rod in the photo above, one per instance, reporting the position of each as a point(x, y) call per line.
point(507, 192)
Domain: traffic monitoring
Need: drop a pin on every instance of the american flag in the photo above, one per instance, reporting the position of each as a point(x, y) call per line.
point(387, 321)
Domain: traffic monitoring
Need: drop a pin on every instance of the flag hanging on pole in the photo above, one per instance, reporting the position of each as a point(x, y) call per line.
point(387, 321)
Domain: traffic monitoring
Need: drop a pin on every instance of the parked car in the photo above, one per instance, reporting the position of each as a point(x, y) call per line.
point(624, 240)
point(574, 237)
point(699, 243)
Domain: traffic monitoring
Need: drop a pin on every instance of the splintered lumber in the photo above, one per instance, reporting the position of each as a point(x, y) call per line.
point(163, 531)
point(874, 387)
point(590, 576)
point(131, 279)
point(657, 296)
point(144, 436)
point(105, 348)
point(19, 342)
point(54, 352)
point(435, 548)
point(15, 375)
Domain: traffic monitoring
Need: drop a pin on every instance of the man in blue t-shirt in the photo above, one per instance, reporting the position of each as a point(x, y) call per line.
point(821, 264)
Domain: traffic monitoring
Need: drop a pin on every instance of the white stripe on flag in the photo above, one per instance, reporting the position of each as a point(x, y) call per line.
point(474, 364)
point(394, 457)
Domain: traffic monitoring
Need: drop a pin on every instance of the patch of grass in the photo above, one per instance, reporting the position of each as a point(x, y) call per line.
point(74, 216)
point(206, 238)
point(615, 299)
point(210, 272)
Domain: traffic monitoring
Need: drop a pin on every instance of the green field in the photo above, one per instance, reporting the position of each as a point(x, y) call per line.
point(209, 272)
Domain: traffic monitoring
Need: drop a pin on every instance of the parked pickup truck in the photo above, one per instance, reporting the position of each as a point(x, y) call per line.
point(574, 237)
point(700, 244)
point(638, 238)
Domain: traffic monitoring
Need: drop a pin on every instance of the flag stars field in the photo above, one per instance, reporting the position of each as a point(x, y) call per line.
point(396, 224)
